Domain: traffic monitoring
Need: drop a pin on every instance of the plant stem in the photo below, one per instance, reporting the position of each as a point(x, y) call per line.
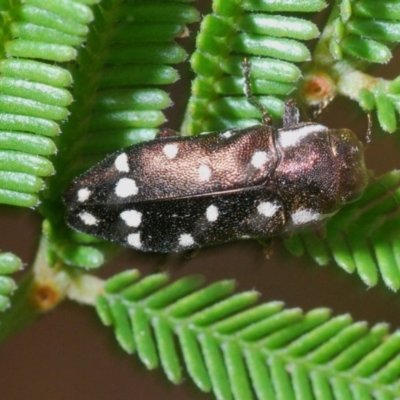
point(42, 290)
point(37, 292)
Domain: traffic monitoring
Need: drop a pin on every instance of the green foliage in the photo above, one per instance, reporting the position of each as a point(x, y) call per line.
point(117, 93)
point(9, 263)
point(93, 71)
point(271, 42)
point(359, 33)
point(128, 50)
point(32, 99)
point(239, 350)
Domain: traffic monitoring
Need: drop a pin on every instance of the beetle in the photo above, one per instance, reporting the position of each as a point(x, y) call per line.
point(181, 193)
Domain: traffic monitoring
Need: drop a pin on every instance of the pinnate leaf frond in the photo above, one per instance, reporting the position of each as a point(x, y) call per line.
point(9, 263)
point(238, 349)
point(271, 40)
point(33, 94)
point(358, 34)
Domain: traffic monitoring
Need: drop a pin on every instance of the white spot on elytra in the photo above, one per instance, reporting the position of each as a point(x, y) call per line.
point(204, 173)
point(132, 218)
point(170, 150)
point(121, 163)
point(226, 134)
point(134, 240)
point(301, 217)
point(186, 240)
point(88, 219)
point(83, 194)
point(291, 137)
point(267, 208)
point(212, 213)
point(126, 187)
point(258, 159)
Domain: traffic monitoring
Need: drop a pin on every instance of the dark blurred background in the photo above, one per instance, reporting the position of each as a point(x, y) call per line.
point(68, 354)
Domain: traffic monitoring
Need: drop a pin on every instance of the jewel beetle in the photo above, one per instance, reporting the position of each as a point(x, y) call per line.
point(180, 193)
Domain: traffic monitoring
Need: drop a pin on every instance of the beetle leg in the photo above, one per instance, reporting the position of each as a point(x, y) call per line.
point(321, 108)
point(320, 230)
point(246, 67)
point(291, 116)
point(267, 247)
point(189, 254)
point(165, 133)
point(369, 129)
point(161, 264)
point(167, 260)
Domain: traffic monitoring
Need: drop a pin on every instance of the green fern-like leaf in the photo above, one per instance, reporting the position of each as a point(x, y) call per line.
point(129, 51)
point(240, 350)
point(117, 55)
point(9, 263)
point(111, 98)
point(272, 43)
point(33, 98)
point(357, 34)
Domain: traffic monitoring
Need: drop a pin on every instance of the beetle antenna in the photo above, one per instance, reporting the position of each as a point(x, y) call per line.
point(246, 68)
point(369, 129)
point(321, 108)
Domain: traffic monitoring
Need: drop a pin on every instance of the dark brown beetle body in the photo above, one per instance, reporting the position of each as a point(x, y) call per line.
point(178, 193)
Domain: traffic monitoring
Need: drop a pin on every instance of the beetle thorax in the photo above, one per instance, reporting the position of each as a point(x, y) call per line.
point(320, 170)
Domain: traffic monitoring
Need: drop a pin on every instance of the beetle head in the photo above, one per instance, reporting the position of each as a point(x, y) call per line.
point(349, 152)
